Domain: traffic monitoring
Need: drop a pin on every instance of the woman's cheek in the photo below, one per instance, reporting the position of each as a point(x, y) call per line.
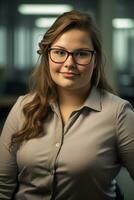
point(83, 69)
point(54, 66)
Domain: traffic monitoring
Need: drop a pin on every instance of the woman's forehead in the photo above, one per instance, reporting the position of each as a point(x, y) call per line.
point(74, 37)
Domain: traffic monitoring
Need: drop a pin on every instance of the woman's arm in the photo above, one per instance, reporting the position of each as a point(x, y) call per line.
point(8, 164)
point(125, 135)
point(8, 173)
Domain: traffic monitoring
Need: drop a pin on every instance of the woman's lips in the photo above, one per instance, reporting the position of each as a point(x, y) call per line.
point(69, 74)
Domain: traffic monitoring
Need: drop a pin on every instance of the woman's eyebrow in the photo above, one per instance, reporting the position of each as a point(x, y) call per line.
point(61, 47)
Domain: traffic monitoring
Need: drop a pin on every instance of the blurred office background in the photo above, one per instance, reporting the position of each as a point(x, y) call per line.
point(22, 25)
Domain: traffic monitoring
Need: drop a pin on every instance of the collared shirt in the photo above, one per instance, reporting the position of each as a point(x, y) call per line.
point(78, 161)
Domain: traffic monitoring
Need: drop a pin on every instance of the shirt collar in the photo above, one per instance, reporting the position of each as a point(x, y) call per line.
point(92, 101)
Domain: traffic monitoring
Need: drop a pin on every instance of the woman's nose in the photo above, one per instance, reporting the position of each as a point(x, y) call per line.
point(70, 62)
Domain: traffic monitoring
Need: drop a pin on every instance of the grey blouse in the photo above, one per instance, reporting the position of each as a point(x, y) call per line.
point(76, 162)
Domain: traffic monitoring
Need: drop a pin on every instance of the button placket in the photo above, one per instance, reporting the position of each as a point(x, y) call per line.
point(57, 144)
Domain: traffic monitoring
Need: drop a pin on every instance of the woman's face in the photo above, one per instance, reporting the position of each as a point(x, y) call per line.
point(69, 74)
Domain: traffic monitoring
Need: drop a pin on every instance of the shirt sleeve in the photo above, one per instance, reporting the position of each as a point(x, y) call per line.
point(125, 135)
point(8, 164)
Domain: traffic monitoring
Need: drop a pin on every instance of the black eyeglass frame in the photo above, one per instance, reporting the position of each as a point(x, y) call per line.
point(72, 54)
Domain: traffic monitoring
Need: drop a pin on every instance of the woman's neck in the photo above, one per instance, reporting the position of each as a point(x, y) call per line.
point(71, 98)
point(69, 101)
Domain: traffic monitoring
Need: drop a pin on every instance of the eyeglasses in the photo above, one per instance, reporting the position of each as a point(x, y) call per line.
point(80, 56)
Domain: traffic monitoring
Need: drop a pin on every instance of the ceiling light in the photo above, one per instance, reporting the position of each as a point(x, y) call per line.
point(123, 23)
point(44, 22)
point(37, 9)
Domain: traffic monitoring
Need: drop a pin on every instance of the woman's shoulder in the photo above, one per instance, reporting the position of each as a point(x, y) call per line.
point(24, 99)
point(15, 118)
point(21, 101)
point(114, 102)
point(112, 98)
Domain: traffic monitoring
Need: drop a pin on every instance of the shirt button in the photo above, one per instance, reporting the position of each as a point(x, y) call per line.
point(57, 144)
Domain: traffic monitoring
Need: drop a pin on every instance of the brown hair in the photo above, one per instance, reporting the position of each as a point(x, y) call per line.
point(38, 108)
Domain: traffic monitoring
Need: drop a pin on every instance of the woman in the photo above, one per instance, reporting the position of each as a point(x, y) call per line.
point(69, 137)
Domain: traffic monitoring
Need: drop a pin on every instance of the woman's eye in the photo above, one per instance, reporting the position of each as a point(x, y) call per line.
point(60, 52)
point(82, 54)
